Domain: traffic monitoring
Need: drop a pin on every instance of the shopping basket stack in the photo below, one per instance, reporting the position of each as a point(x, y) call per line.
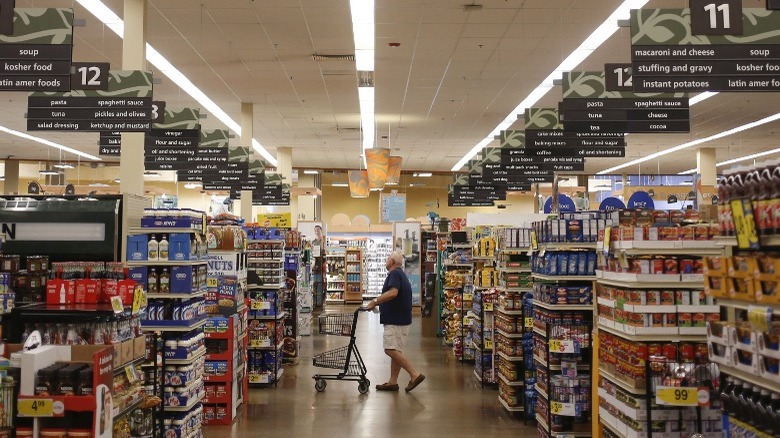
point(347, 359)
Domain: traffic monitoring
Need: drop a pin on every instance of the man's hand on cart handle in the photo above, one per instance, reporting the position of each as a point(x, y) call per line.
point(388, 295)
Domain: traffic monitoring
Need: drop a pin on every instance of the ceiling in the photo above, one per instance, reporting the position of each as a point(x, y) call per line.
point(454, 77)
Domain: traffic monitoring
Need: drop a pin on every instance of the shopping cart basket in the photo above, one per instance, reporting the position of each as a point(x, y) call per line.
point(347, 359)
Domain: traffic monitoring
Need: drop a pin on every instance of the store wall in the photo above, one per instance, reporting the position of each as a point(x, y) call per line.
point(337, 200)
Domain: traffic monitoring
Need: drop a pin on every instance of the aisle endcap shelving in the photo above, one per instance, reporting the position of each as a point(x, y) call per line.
point(517, 384)
point(509, 335)
point(193, 357)
point(188, 328)
point(542, 422)
point(660, 281)
point(541, 392)
point(654, 334)
point(510, 408)
point(732, 241)
point(563, 306)
point(187, 408)
point(626, 386)
point(667, 247)
point(270, 317)
point(510, 358)
point(509, 312)
point(607, 420)
point(745, 305)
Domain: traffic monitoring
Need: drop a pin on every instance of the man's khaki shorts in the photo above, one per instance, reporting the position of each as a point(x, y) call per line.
point(394, 337)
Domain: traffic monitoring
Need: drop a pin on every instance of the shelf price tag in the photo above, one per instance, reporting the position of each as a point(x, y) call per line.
point(560, 346)
point(534, 241)
point(488, 344)
point(260, 305)
point(677, 396)
point(116, 304)
point(36, 407)
point(607, 240)
point(528, 322)
point(564, 409)
point(745, 224)
point(488, 307)
point(258, 378)
point(139, 299)
point(760, 318)
point(131, 374)
point(212, 282)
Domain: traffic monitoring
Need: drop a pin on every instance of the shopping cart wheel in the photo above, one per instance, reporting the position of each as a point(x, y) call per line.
point(364, 386)
point(320, 385)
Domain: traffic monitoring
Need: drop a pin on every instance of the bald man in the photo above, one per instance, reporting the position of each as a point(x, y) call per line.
point(395, 306)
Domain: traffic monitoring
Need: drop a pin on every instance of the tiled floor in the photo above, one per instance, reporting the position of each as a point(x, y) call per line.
point(450, 403)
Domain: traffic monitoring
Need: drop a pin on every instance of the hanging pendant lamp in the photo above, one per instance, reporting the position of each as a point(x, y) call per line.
point(394, 171)
point(358, 183)
point(376, 163)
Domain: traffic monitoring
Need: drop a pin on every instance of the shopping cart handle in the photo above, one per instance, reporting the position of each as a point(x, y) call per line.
point(362, 309)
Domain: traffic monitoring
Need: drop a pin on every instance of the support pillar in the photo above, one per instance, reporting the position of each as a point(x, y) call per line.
point(11, 186)
point(707, 169)
point(284, 167)
point(247, 133)
point(131, 165)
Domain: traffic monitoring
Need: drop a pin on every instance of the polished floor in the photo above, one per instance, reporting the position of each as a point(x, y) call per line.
point(449, 403)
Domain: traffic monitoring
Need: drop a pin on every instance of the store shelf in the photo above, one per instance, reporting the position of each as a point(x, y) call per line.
point(510, 408)
point(651, 281)
point(129, 408)
point(167, 263)
point(514, 270)
point(554, 278)
point(510, 335)
point(627, 386)
point(541, 392)
point(745, 305)
point(187, 408)
point(197, 294)
point(606, 421)
point(264, 260)
point(542, 422)
point(188, 328)
point(515, 383)
point(279, 374)
point(509, 312)
point(751, 378)
point(511, 358)
point(659, 337)
point(200, 352)
point(460, 245)
point(163, 230)
point(121, 369)
point(539, 331)
point(514, 289)
point(459, 265)
point(276, 241)
point(540, 360)
point(265, 286)
point(552, 246)
point(473, 315)
point(667, 247)
point(478, 376)
point(563, 306)
point(268, 348)
point(514, 249)
point(269, 318)
point(732, 241)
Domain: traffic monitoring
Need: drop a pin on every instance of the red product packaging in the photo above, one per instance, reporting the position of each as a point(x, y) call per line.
point(59, 291)
point(121, 288)
point(88, 290)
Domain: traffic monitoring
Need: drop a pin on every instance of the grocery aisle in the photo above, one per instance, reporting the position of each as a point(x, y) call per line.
point(449, 403)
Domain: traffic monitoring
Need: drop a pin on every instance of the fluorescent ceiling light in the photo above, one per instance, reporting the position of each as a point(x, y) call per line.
point(47, 172)
point(737, 160)
point(63, 166)
point(192, 185)
point(423, 174)
point(701, 97)
point(311, 172)
point(366, 96)
point(99, 185)
point(49, 143)
point(340, 185)
point(575, 58)
point(696, 142)
point(110, 19)
point(363, 33)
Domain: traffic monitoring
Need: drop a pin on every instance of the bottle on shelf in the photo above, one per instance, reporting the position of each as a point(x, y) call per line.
point(152, 281)
point(153, 247)
point(163, 248)
point(165, 281)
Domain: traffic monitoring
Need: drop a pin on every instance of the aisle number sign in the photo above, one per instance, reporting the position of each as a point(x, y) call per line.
point(744, 224)
point(564, 409)
point(560, 346)
point(37, 407)
point(677, 396)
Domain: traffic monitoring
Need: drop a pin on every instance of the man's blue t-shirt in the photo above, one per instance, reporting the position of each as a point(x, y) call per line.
point(397, 311)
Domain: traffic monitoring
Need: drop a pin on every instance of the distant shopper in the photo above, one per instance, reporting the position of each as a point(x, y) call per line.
point(395, 305)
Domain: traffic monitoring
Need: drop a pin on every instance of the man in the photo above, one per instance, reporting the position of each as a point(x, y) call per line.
point(395, 305)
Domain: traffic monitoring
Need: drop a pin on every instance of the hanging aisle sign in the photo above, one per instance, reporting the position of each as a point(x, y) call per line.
point(545, 137)
point(126, 106)
point(37, 53)
point(713, 46)
point(174, 141)
point(589, 108)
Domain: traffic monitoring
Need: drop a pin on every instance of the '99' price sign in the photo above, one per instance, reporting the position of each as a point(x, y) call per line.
point(681, 396)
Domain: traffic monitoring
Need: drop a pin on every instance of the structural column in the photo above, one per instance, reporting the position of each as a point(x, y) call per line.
point(707, 169)
point(11, 186)
point(131, 165)
point(284, 167)
point(247, 134)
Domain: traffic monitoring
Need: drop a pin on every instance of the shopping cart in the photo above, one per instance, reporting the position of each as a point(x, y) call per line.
point(347, 359)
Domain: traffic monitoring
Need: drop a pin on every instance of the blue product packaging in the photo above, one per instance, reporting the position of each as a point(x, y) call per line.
point(180, 247)
point(137, 247)
point(574, 258)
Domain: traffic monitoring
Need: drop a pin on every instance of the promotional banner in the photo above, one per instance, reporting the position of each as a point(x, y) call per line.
point(565, 204)
point(611, 203)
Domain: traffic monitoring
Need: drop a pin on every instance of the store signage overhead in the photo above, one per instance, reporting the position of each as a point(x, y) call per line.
point(126, 106)
point(36, 54)
point(671, 52)
point(589, 108)
point(110, 143)
point(545, 137)
point(174, 141)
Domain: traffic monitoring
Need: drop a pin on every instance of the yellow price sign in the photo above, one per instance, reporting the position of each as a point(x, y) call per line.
point(607, 240)
point(139, 299)
point(260, 305)
point(564, 409)
point(760, 318)
point(534, 241)
point(212, 282)
point(131, 374)
point(488, 307)
point(258, 378)
point(117, 305)
point(488, 344)
point(35, 407)
point(528, 322)
point(744, 224)
point(677, 396)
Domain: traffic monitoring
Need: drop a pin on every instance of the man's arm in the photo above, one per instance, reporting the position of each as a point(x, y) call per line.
point(386, 296)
